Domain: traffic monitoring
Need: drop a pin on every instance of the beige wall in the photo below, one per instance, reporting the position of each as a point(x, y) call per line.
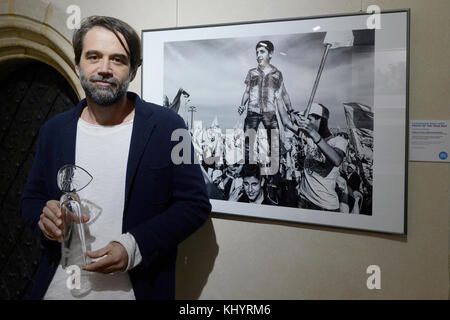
point(237, 258)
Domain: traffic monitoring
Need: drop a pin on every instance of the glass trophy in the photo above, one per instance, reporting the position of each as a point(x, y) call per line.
point(71, 179)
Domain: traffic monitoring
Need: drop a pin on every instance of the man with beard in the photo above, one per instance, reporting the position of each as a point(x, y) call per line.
point(147, 204)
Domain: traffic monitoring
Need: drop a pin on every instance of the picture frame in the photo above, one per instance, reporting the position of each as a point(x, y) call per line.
point(350, 72)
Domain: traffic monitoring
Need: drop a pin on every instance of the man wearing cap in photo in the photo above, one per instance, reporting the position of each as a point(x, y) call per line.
point(324, 154)
point(264, 88)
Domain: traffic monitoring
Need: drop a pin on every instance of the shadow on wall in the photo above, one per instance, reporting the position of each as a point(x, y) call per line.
point(195, 261)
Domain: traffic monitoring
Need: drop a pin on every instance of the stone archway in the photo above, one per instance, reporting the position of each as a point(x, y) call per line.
point(38, 31)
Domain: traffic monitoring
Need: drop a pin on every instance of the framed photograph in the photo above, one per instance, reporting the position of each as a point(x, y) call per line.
point(301, 120)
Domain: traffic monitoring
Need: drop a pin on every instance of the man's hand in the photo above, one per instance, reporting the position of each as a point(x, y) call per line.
point(116, 259)
point(241, 109)
point(304, 124)
point(358, 197)
point(51, 220)
point(236, 194)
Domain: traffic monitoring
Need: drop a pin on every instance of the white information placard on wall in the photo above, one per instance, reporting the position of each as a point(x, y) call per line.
point(429, 140)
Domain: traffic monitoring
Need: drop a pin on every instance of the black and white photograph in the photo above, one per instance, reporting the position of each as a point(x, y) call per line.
point(284, 115)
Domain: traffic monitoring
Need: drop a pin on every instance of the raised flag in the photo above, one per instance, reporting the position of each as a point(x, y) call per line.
point(360, 125)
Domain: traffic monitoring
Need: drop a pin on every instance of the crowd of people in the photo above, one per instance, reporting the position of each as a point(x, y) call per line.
point(241, 181)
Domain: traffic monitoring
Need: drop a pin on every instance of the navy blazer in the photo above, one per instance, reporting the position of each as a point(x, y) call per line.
point(164, 202)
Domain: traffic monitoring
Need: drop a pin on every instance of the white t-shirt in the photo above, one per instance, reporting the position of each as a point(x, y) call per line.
point(319, 179)
point(103, 152)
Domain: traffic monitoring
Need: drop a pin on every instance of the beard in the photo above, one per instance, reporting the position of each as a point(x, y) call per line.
point(104, 96)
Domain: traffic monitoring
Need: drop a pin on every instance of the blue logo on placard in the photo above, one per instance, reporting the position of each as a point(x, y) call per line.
point(443, 155)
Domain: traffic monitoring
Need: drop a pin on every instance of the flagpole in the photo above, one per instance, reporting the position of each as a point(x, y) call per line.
point(316, 82)
point(332, 40)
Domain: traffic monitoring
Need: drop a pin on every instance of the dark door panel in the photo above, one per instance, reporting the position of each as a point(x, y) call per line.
point(29, 96)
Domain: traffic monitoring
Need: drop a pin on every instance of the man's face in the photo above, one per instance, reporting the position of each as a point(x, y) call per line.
point(104, 67)
point(252, 187)
point(263, 56)
point(288, 144)
point(314, 120)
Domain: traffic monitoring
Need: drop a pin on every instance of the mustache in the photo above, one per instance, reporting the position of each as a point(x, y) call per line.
point(103, 79)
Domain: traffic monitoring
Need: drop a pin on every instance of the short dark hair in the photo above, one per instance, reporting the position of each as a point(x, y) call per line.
point(116, 26)
point(265, 44)
point(251, 170)
point(324, 131)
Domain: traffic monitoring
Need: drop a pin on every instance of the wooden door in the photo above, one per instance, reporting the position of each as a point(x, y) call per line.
point(30, 95)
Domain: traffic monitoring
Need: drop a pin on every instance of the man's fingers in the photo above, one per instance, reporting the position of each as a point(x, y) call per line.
point(106, 265)
point(98, 253)
point(70, 214)
point(42, 227)
point(50, 229)
point(99, 265)
point(51, 215)
point(84, 218)
point(53, 205)
point(116, 259)
point(357, 194)
point(74, 217)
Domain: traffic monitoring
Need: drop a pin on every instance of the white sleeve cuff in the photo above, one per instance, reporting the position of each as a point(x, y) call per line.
point(130, 245)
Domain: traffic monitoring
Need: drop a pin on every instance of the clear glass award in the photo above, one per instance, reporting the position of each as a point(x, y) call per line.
point(71, 179)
